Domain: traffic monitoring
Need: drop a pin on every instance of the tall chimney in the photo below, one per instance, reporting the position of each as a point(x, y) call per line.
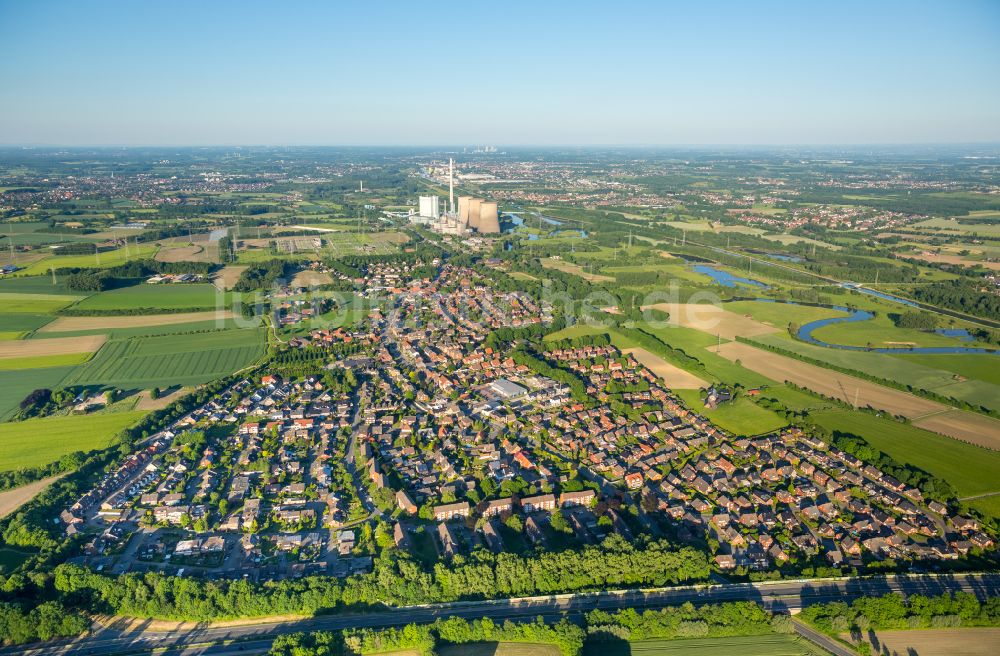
point(451, 185)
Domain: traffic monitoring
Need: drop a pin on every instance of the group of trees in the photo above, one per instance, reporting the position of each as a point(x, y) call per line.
point(42, 402)
point(396, 580)
point(737, 618)
point(916, 320)
point(740, 618)
point(962, 294)
point(95, 279)
point(47, 620)
point(263, 275)
point(892, 611)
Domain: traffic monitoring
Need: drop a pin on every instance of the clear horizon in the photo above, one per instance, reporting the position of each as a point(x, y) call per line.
point(624, 75)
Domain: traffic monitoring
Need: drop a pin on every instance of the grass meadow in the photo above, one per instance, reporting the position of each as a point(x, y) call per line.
point(40, 441)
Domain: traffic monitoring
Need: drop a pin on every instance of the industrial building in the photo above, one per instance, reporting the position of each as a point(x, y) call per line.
point(430, 207)
point(471, 214)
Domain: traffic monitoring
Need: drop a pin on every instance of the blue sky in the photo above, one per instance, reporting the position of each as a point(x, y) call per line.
point(541, 72)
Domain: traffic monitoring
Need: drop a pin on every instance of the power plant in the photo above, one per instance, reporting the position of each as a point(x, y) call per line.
point(472, 214)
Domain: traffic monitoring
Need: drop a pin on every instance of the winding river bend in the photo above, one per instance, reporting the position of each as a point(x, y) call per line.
point(805, 333)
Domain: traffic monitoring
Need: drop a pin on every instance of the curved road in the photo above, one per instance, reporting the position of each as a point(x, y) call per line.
point(779, 596)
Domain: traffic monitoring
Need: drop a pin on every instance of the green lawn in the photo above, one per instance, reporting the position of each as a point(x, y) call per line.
point(740, 417)
point(970, 469)
point(40, 441)
point(166, 360)
point(165, 297)
point(763, 645)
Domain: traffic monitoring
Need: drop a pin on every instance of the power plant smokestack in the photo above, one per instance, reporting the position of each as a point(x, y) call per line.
point(451, 185)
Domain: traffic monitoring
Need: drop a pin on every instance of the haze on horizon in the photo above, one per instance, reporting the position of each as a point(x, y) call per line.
point(623, 73)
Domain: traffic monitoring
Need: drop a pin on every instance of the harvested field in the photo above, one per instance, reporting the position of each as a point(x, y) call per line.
point(713, 320)
point(310, 278)
point(227, 277)
point(955, 259)
point(69, 324)
point(11, 500)
point(675, 377)
point(29, 348)
point(827, 382)
point(937, 642)
point(966, 426)
point(186, 254)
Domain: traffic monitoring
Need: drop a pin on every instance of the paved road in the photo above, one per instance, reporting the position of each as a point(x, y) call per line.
point(779, 596)
point(823, 640)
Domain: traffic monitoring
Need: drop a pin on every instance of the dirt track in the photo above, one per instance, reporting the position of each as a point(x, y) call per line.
point(673, 376)
point(67, 324)
point(30, 348)
point(11, 500)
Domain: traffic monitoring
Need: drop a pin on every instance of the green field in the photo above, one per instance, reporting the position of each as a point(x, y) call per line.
point(780, 315)
point(740, 417)
point(35, 285)
point(979, 367)
point(11, 559)
point(693, 342)
point(916, 370)
point(880, 332)
point(763, 645)
point(102, 260)
point(166, 297)
point(40, 441)
point(497, 649)
point(955, 226)
point(34, 303)
point(166, 360)
point(970, 469)
point(143, 331)
point(20, 322)
point(43, 361)
point(15, 385)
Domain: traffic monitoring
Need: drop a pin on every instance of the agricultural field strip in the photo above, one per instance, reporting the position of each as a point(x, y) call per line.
point(48, 347)
point(70, 324)
point(713, 319)
point(675, 377)
point(849, 388)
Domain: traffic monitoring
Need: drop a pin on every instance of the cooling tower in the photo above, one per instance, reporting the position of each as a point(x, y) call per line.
point(489, 222)
point(474, 204)
point(463, 209)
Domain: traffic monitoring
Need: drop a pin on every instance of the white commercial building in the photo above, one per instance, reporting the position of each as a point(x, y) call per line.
point(430, 207)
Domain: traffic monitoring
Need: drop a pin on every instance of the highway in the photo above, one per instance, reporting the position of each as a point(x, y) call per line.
point(778, 596)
